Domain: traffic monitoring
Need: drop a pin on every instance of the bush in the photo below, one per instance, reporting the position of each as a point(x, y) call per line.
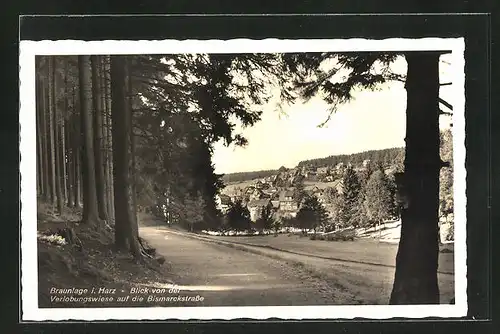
point(312, 236)
point(345, 235)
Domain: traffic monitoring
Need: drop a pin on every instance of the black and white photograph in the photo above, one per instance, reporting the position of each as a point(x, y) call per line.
point(292, 179)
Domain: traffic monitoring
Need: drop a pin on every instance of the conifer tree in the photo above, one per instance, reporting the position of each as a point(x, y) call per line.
point(351, 188)
point(312, 214)
point(238, 217)
point(378, 200)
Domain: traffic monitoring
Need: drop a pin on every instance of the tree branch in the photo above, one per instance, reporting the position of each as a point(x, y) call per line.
point(441, 112)
point(446, 104)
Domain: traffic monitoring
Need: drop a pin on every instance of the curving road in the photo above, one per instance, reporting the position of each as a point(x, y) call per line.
point(227, 276)
point(230, 277)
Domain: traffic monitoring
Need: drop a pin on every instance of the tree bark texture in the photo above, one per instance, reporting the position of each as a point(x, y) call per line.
point(416, 280)
point(90, 213)
point(50, 92)
point(125, 220)
point(97, 125)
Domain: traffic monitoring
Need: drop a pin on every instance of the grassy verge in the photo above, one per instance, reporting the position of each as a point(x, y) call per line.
point(89, 262)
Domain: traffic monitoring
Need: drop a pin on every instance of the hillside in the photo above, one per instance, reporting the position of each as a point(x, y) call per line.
point(247, 176)
point(385, 157)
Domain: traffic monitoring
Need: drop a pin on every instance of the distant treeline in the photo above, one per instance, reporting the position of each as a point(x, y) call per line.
point(246, 176)
point(385, 157)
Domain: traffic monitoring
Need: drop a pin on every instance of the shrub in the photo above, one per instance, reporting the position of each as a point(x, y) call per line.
point(331, 237)
point(312, 236)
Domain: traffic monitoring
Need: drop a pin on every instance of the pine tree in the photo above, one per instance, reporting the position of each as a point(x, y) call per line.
point(51, 129)
point(193, 214)
point(351, 188)
point(299, 192)
point(378, 200)
point(238, 217)
point(266, 219)
point(90, 213)
point(98, 138)
point(126, 230)
point(415, 280)
point(312, 214)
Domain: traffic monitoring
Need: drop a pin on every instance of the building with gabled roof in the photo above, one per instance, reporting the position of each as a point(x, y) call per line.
point(255, 207)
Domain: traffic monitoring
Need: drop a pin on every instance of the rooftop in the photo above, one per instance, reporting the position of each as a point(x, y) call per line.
point(259, 202)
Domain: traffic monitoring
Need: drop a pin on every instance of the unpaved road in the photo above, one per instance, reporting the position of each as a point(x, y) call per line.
point(367, 251)
point(227, 276)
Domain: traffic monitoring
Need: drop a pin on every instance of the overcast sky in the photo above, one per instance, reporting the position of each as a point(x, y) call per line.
point(373, 120)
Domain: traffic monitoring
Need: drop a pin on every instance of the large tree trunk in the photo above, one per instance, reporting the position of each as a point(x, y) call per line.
point(107, 78)
point(63, 133)
point(45, 146)
point(51, 67)
point(415, 280)
point(126, 220)
point(90, 213)
point(57, 139)
point(70, 166)
point(39, 136)
point(132, 140)
point(77, 152)
point(99, 170)
point(104, 134)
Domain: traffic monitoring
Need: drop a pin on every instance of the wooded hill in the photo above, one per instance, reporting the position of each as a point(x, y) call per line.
point(246, 176)
point(384, 157)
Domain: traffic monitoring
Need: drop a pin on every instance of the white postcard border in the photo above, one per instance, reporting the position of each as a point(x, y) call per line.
point(29, 265)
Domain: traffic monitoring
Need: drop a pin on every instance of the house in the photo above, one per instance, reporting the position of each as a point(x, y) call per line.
point(256, 194)
point(322, 197)
point(236, 198)
point(310, 174)
point(272, 178)
point(287, 204)
point(223, 202)
point(322, 170)
point(256, 206)
point(286, 195)
point(259, 184)
point(338, 185)
point(269, 192)
point(315, 189)
point(329, 178)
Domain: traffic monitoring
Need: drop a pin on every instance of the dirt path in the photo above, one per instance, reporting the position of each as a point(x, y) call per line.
point(230, 277)
point(275, 274)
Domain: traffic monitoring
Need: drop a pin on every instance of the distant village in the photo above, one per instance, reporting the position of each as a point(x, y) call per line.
point(278, 190)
